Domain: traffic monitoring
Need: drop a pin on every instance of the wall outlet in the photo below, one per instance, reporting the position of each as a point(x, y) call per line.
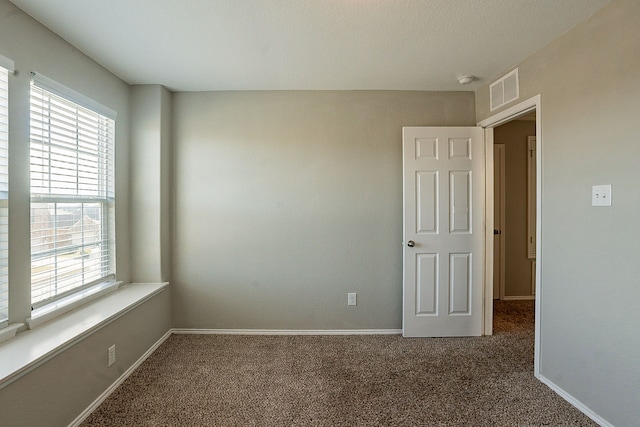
point(601, 195)
point(111, 351)
point(351, 298)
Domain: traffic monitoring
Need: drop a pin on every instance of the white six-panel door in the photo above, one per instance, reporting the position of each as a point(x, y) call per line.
point(443, 229)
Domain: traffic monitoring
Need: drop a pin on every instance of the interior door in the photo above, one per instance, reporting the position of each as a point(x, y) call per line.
point(444, 189)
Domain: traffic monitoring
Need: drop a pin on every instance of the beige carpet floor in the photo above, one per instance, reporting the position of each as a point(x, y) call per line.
point(218, 380)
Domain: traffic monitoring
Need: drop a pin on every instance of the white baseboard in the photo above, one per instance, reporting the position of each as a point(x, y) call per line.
point(575, 402)
point(518, 297)
point(288, 331)
point(94, 405)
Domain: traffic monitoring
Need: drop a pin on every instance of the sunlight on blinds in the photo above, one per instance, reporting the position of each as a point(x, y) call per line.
point(72, 196)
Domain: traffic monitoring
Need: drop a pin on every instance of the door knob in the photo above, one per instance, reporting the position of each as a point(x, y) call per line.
point(411, 243)
point(497, 231)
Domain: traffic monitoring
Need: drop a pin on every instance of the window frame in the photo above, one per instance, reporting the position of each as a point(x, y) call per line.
point(105, 198)
point(6, 69)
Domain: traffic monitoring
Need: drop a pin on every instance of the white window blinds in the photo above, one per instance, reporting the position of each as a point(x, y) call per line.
point(72, 193)
point(4, 196)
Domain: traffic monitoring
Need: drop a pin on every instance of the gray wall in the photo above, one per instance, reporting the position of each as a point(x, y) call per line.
point(287, 201)
point(150, 184)
point(64, 386)
point(590, 107)
point(517, 265)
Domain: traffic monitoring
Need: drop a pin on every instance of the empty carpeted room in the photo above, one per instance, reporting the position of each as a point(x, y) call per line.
point(283, 212)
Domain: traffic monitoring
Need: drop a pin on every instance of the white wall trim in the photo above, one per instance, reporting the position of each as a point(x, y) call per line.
point(575, 402)
point(489, 217)
point(94, 405)
point(511, 113)
point(287, 331)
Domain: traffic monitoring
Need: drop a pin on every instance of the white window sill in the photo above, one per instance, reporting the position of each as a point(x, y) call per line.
point(10, 331)
point(30, 349)
point(64, 305)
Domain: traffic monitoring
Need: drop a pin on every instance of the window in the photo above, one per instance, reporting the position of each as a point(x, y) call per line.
point(4, 190)
point(72, 192)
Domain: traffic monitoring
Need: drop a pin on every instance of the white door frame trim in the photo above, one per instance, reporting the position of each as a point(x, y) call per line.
point(524, 107)
point(502, 226)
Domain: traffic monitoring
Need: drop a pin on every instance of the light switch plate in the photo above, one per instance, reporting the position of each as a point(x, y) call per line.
point(601, 195)
point(351, 298)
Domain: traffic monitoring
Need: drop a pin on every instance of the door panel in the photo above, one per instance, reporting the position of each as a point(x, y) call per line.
point(427, 203)
point(443, 178)
point(460, 284)
point(427, 284)
point(460, 202)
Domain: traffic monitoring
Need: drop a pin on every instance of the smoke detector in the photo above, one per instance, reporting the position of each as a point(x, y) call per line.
point(465, 80)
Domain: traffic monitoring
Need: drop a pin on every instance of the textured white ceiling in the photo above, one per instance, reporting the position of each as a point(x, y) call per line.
point(191, 45)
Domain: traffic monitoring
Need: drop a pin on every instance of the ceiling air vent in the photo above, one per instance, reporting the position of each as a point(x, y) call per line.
point(504, 90)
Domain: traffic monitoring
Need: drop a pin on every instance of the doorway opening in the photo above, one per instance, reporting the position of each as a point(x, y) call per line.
point(529, 252)
point(514, 160)
point(514, 239)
